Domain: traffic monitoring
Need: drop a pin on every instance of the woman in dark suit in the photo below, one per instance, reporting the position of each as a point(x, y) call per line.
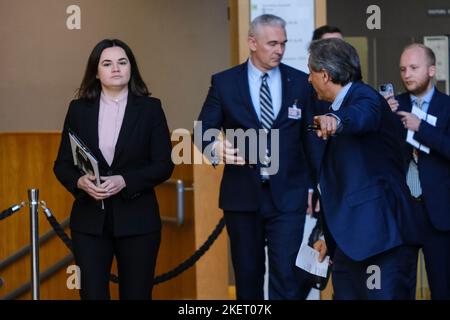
point(127, 132)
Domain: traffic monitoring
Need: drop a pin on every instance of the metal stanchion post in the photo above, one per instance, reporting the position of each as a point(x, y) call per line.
point(33, 197)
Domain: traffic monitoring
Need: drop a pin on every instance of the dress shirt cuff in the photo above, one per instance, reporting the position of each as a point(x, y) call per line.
point(338, 121)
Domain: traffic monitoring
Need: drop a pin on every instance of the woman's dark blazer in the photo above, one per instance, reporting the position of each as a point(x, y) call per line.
point(142, 156)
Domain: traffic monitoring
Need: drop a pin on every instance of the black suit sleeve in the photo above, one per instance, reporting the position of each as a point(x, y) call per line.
point(160, 166)
point(64, 168)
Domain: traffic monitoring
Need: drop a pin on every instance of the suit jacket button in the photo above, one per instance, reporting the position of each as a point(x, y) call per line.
point(109, 173)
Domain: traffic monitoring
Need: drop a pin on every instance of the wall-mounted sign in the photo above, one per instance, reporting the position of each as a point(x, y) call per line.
point(439, 12)
point(441, 48)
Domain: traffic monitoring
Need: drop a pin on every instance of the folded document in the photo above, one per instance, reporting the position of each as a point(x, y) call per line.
point(308, 260)
point(425, 117)
point(83, 158)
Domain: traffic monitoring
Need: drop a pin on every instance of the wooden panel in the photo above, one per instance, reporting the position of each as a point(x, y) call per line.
point(327, 293)
point(320, 13)
point(177, 242)
point(26, 161)
point(233, 27)
point(210, 285)
point(244, 23)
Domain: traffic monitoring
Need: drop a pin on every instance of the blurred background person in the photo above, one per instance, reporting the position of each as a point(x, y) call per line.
point(326, 32)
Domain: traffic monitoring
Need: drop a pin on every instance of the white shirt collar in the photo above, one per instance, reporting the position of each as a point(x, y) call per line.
point(336, 105)
point(255, 73)
point(426, 98)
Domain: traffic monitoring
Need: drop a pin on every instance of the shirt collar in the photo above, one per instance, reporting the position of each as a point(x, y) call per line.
point(256, 74)
point(426, 98)
point(121, 98)
point(340, 97)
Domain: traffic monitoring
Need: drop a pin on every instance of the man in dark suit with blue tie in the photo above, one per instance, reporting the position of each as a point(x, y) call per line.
point(428, 169)
point(262, 207)
point(360, 177)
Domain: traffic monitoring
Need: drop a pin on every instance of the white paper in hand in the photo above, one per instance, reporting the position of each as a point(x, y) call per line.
point(425, 117)
point(308, 260)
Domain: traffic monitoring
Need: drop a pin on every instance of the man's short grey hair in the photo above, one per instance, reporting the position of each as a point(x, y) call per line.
point(431, 57)
point(266, 20)
point(337, 57)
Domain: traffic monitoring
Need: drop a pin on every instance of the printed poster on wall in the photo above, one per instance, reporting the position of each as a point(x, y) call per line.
point(440, 47)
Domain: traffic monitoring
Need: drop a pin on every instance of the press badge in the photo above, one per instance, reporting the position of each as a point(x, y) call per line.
point(294, 112)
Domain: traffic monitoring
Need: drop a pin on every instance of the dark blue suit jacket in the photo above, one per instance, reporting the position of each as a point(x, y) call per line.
point(434, 168)
point(362, 178)
point(228, 105)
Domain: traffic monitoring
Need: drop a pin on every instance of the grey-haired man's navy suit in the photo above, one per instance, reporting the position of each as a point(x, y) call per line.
point(272, 213)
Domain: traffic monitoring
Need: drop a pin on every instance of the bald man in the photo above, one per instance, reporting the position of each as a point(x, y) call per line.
point(428, 172)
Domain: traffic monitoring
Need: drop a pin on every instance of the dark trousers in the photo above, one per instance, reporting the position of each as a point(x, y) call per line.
point(354, 280)
point(435, 245)
point(136, 260)
point(282, 232)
